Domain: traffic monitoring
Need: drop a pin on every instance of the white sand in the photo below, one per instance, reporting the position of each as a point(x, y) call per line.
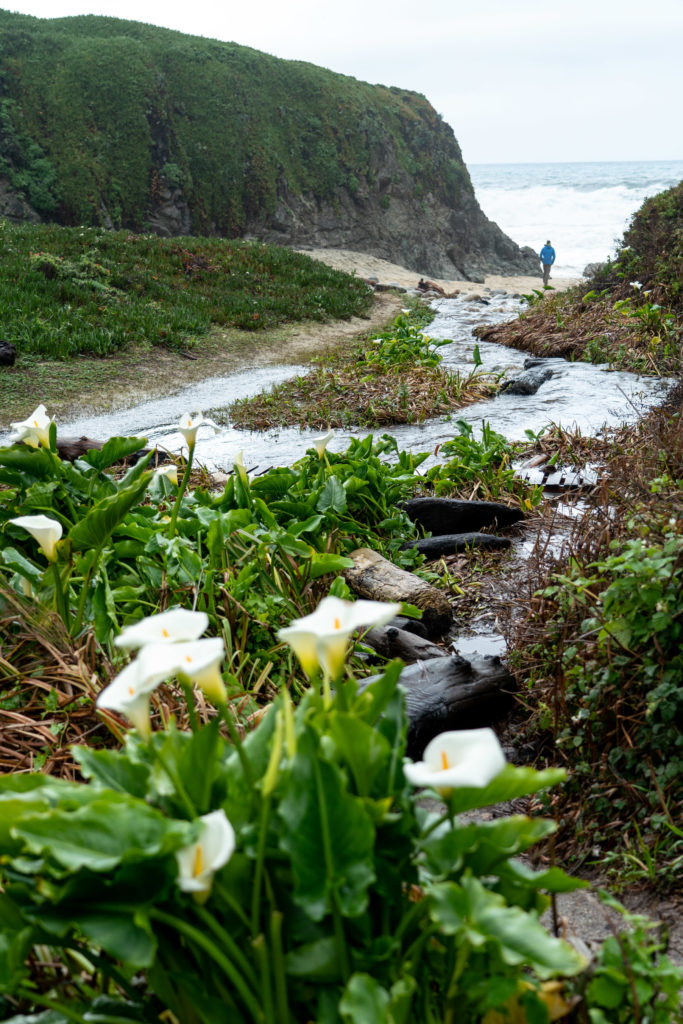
point(390, 273)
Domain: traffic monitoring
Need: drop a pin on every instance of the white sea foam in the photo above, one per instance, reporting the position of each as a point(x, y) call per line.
point(583, 208)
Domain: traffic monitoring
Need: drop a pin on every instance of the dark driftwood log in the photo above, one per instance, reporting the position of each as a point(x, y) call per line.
point(72, 448)
point(377, 579)
point(450, 543)
point(439, 516)
point(391, 642)
point(452, 693)
point(410, 625)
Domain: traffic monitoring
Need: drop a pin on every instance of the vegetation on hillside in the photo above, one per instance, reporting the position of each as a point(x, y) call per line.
point(98, 116)
point(73, 291)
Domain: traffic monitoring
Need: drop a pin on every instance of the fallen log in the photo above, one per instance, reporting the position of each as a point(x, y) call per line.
point(391, 642)
point(377, 579)
point(452, 693)
point(451, 543)
point(71, 448)
point(410, 625)
point(440, 516)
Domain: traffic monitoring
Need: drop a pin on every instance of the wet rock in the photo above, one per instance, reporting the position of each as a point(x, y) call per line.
point(528, 383)
point(451, 543)
point(441, 516)
point(8, 353)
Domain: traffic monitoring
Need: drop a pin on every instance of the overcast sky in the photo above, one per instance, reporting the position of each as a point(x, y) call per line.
point(517, 80)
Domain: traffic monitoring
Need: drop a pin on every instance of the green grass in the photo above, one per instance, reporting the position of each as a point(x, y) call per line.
point(74, 291)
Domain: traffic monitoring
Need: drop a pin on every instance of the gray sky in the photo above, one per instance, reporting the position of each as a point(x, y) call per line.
point(517, 80)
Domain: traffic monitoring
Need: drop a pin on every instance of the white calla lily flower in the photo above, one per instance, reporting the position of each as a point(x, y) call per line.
point(321, 443)
point(189, 425)
point(176, 625)
point(195, 660)
point(452, 760)
point(636, 284)
point(170, 472)
point(34, 431)
point(198, 863)
point(129, 693)
point(320, 639)
point(45, 530)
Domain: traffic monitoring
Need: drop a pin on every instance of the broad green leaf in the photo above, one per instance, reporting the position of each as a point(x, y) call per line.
point(15, 560)
point(123, 933)
point(47, 1017)
point(473, 912)
point(607, 988)
point(511, 784)
point(322, 565)
point(364, 1001)
point(112, 769)
point(114, 450)
point(363, 748)
point(36, 463)
point(113, 829)
point(315, 961)
point(102, 519)
point(482, 846)
point(323, 822)
point(332, 497)
point(16, 939)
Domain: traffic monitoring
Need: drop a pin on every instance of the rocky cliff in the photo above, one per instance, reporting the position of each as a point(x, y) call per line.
point(111, 122)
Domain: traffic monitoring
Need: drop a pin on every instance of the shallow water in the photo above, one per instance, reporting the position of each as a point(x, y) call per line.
point(578, 395)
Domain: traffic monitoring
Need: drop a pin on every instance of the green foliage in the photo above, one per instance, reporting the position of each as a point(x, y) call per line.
point(112, 110)
point(67, 291)
point(482, 467)
point(344, 900)
point(403, 346)
point(632, 979)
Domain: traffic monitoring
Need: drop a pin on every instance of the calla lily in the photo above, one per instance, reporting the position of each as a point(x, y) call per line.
point(198, 863)
point(189, 425)
point(469, 758)
point(320, 639)
point(177, 625)
point(45, 530)
point(321, 443)
point(636, 284)
point(196, 660)
point(35, 430)
point(170, 472)
point(129, 693)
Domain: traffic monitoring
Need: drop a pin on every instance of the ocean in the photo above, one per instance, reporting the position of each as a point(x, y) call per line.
point(583, 208)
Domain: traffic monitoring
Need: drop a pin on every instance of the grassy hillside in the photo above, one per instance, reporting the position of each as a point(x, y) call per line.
point(98, 116)
point(72, 291)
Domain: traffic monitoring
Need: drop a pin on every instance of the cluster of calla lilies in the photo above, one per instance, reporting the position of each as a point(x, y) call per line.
point(170, 645)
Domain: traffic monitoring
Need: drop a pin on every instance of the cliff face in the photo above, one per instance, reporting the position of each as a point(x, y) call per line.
point(121, 124)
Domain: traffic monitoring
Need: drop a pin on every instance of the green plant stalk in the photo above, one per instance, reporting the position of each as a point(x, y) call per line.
point(76, 625)
point(60, 597)
point(261, 950)
point(179, 785)
point(339, 936)
point(460, 962)
point(218, 957)
point(258, 871)
point(231, 946)
point(237, 743)
point(277, 953)
point(181, 491)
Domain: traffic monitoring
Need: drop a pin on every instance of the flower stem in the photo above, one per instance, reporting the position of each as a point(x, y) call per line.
point(60, 598)
point(261, 950)
point(181, 491)
point(231, 946)
point(258, 872)
point(199, 939)
point(339, 936)
point(279, 967)
point(237, 743)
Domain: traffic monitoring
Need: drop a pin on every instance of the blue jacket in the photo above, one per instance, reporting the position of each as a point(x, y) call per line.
point(547, 255)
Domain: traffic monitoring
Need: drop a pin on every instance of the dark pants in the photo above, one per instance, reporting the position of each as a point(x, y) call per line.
point(546, 272)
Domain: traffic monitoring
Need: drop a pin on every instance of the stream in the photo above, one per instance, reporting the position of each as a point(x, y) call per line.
point(578, 395)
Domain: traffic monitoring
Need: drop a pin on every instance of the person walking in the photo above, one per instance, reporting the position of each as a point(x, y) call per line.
point(547, 258)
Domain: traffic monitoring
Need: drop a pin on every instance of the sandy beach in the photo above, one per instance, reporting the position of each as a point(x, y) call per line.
point(362, 265)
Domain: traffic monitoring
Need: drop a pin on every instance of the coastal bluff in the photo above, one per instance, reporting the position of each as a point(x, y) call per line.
point(123, 125)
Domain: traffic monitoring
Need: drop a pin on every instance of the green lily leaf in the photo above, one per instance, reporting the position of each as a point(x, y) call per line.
point(482, 846)
point(323, 822)
point(332, 497)
point(511, 784)
point(482, 918)
point(315, 961)
point(113, 829)
point(112, 769)
point(114, 450)
point(36, 463)
point(15, 560)
point(363, 748)
point(102, 519)
point(365, 1001)
point(323, 564)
